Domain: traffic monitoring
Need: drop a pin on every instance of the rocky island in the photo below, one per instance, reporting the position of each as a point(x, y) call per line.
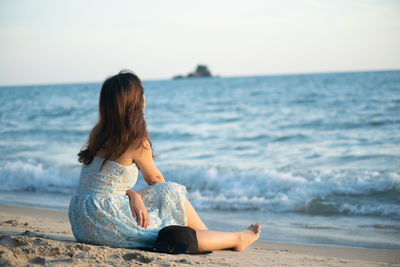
point(201, 71)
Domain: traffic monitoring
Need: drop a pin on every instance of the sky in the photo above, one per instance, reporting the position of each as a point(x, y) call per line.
point(51, 41)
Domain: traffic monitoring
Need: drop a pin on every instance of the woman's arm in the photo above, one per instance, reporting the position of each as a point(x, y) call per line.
point(138, 209)
point(143, 157)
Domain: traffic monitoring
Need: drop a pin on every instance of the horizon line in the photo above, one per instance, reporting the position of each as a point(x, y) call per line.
point(215, 76)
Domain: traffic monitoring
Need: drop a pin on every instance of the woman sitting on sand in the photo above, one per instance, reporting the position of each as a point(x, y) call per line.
point(105, 210)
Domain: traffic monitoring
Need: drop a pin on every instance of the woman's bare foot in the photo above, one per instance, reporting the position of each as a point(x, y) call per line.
point(247, 237)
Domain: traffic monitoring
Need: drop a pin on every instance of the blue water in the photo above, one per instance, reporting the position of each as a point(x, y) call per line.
point(314, 158)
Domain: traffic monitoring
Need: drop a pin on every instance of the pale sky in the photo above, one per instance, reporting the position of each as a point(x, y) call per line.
point(50, 41)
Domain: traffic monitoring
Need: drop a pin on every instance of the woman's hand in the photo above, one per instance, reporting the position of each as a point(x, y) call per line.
point(138, 209)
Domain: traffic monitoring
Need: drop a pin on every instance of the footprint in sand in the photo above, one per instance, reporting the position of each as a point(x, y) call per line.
point(138, 257)
point(38, 260)
point(32, 234)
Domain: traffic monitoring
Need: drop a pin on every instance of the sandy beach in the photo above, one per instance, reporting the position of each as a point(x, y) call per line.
point(43, 237)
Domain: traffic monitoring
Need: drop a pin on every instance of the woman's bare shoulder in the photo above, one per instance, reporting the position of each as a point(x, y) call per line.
point(137, 148)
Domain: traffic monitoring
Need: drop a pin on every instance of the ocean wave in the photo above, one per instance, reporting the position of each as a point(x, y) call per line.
point(64, 135)
point(296, 137)
point(33, 177)
point(252, 137)
point(343, 125)
point(164, 135)
point(316, 192)
point(220, 188)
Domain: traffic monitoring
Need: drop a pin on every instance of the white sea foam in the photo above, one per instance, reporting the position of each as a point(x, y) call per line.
point(323, 192)
point(28, 176)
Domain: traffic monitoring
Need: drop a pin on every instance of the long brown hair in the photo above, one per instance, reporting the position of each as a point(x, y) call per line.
point(121, 121)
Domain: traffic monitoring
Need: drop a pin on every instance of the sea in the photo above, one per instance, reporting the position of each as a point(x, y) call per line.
point(313, 158)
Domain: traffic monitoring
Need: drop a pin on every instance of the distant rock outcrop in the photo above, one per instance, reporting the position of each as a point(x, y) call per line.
point(201, 71)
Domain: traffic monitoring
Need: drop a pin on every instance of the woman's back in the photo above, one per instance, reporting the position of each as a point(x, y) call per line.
point(110, 178)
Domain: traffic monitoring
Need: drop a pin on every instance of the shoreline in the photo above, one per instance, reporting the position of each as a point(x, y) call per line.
point(48, 230)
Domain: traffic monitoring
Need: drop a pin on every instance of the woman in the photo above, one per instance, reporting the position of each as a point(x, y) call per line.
point(105, 210)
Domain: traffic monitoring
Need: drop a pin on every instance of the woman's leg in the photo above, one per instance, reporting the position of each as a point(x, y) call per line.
point(193, 218)
point(239, 241)
point(215, 240)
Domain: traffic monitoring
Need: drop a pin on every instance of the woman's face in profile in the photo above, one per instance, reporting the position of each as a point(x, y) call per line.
point(144, 103)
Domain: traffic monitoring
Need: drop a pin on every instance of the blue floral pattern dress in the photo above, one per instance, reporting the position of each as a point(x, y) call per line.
point(99, 211)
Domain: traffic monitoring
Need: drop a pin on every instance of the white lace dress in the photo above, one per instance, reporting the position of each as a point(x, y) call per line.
point(100, 214)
